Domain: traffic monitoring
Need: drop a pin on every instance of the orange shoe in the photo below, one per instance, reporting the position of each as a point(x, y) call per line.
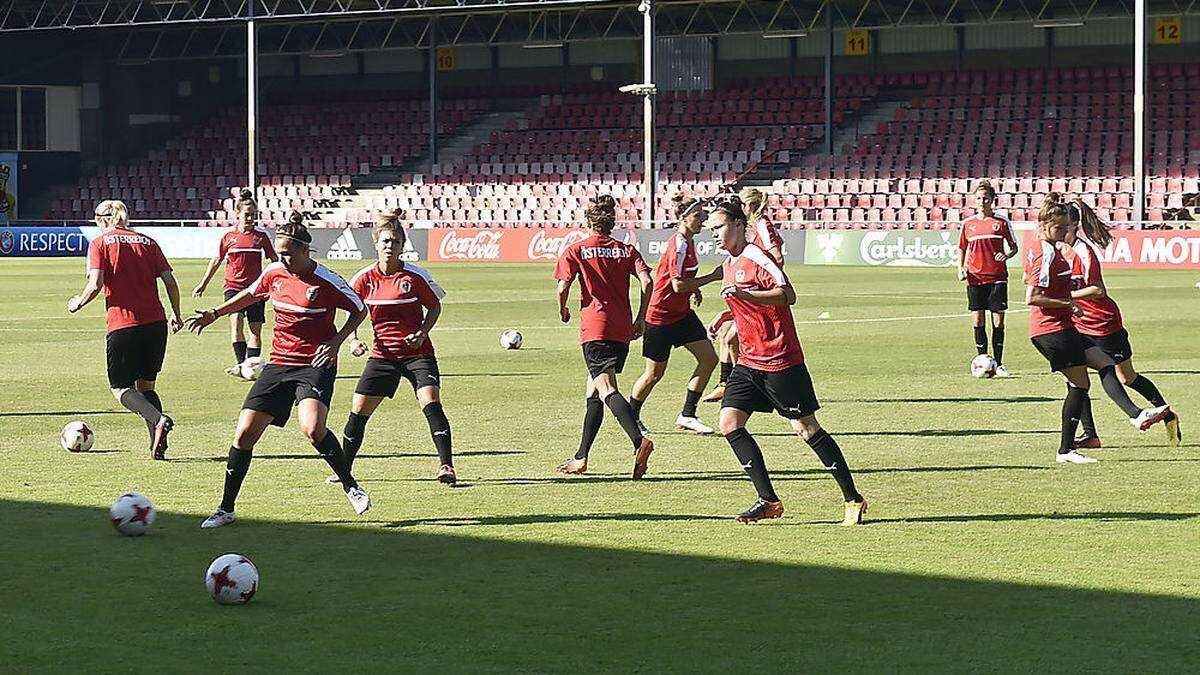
point(446, 475)
point(761, 510)
point(641, 457)
point(573, 465)
point(1090, 443)
point(717, 393)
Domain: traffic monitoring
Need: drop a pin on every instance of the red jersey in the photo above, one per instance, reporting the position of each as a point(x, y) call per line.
point(678, 261)
point(1047, 269)
point(763, 234)
point(1101, 316)
point(131, 263)
point(397, 303)
point(304, 308)
point(603, 266)
point(980, 240)
point(243, 253)
point(766, 333)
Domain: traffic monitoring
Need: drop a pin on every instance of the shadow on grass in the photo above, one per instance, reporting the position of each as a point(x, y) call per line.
point(673, 476)
point(364, 455)
point(923, 433)
point(951, 399)
point(1019, 517)
point(81, 596)
point(445, 375)
point(548, 518)
point(1170, 372)
point(61, 413)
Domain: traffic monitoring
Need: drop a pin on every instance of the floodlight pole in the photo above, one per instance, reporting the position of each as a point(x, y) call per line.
point(251, 101)
point(648, 178)
point(1139, 111)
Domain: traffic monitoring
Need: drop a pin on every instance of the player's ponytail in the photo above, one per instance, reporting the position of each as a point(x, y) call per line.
point(755, 202)
point(601, 214)
point(294, 229)
point(113, 212)
point(1095, 229)
point(683, 205)
point(732, 209)
point(246, 200)
point(1052, 210)
point(390, 221)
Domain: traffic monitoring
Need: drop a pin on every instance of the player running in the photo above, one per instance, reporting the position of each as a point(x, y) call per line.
point(242, 248)
point(1052, 331)
point(603, 266)
point(1100, 317)
point(127, 266)
point(985, 245)
point(404, 303)
point(303, 364)
point(671, 323)
point(770, 373)
point(761, 232)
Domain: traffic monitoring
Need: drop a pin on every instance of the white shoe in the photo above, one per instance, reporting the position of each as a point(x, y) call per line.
point(1149, 417)
point(1074, 457)
point(332, 479)
point(234, 371)
point(219, 519)
point(693, 424)
point(359, 499)
point(642, 428)
point(1001, 371)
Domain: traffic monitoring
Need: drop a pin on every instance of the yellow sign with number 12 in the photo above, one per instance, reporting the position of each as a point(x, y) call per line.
point(1168, 31)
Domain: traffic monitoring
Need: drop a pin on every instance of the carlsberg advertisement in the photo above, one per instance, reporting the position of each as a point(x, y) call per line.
point(891, 248)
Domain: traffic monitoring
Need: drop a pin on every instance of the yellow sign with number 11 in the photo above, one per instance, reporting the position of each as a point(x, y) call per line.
point(858, 43)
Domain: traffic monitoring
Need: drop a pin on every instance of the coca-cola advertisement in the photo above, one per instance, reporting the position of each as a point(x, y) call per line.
point(503, 245)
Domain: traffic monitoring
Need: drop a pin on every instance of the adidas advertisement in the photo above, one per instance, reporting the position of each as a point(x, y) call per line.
point(355, 243)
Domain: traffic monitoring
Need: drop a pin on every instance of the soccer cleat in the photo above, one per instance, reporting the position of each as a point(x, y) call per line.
point(359, 499)
point(158, 444)
point(1001, 371)
point(234, 371)
point(641, 457)
point(1149, 417)
point(446, 475)
point(219, 519)
point(717, 393)
point(854, 512)
point(1074, 457)
point(1088, 443)
point(1174, 434)
point(332, 479)
point(693, 424)
point(761, 510)
point(573, 465)
point(642, 428)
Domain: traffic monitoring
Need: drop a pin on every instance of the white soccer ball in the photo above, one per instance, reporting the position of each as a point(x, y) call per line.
point(511, 339)
point(132, 514)
point(983, 366)
point(231, 579)
point(251, 368)
point(77, 437)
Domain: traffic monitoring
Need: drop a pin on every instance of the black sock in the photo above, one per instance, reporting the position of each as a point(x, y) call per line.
point(137, 402)
point(998, 344)
point(439, 427)
point(625, 417)
point(591, 425)
point(981, 339)
point(1072, 406)
point(751, 458)
point(1142, 385)
point(236, 467)
point(1085, 416)
point(331, 451)
point(352, 436)
point(726, 369)
point(636, 406)
point(252, 352)
point(152, 397)
point(831, 456)
point(239, 351)
point(1116, 391)
point(689, 403)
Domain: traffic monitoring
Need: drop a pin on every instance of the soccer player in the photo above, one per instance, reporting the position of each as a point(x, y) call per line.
point(603, 266)
point(405, 304)
point(1100, 318)
point(671, 323)
point(1053, 333)
point(985, 245)
point(303, 363)
point(770, 373)
point(242, 248)
point(127, 266)
point(761, 232)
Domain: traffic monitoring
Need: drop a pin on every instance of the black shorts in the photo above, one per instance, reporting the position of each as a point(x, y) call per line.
point(1064, 349)
point(279, 388)
point(256, 313)
point(788, 392)
point(993, 297)
point(381, 377)
point(1116, 345)
point(600, 355)
point(135, 353)
point(658, 341)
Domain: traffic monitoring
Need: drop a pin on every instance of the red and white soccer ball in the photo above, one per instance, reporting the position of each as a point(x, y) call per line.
point(132, 514)
point(77, 437)
point(511, 339)
point(983, 366)
point(231, 579)
point(251, 368)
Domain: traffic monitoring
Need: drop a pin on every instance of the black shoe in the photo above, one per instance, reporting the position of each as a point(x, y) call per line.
point(761, 510)
point(158, 445)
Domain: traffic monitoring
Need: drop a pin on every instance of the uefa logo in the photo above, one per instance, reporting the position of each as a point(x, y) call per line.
point(7, 242)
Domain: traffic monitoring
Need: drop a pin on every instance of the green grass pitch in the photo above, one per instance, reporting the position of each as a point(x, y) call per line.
point(980, 553)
